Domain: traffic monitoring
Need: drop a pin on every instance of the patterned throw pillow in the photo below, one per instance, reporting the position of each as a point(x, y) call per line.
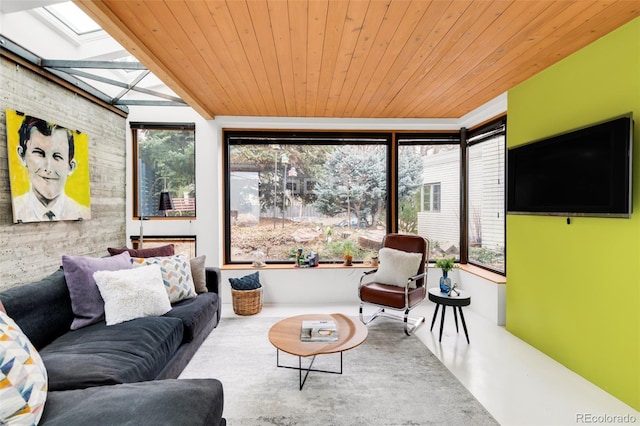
point(176, 274)
point(23, 377)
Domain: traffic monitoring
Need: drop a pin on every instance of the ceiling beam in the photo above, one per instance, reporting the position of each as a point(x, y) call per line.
point(106, 65)
point(64, 70)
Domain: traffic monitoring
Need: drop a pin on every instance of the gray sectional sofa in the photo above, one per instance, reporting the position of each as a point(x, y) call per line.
point(122, 374)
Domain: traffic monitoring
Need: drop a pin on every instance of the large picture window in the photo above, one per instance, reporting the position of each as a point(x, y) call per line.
point(430, 207)
point(164, 161)
point(334, 193)
point(321, 192)
point(486, 196)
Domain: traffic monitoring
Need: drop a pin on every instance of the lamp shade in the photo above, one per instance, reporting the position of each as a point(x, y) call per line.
point(166, 202)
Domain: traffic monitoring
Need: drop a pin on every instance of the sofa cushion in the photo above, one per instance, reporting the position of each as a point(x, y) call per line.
point(166, 250)
point(86, 301)
point(98, 354)
point(23, 377)
point(176, 274)
point(132, 293)
point(195, 313)
point(159, 403)
point(42, 309)
point(198, 273)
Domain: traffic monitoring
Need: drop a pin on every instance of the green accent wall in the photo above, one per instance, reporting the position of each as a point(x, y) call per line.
point(574, 290)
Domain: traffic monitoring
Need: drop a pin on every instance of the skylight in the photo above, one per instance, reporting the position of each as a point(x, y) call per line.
point(74, 18)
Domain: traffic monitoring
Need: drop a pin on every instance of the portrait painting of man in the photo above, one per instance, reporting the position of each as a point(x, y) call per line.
point(49, 170)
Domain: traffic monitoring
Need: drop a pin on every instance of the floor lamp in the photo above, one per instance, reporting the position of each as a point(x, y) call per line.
point(165, 203)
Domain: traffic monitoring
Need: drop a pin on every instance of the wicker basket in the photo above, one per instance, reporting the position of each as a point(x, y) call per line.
point(247, 302)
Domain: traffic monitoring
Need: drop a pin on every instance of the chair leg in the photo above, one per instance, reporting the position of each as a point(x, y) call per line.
point(410, 324)
point(372, 317)
point(414, 322)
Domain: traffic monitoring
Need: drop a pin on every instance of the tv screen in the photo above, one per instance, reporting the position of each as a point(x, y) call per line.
point(583, 172)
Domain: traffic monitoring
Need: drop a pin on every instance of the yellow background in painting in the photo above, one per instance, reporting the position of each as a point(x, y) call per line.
point(77, 186)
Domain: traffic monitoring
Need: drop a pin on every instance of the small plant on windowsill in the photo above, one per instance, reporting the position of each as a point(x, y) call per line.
point(348, 257)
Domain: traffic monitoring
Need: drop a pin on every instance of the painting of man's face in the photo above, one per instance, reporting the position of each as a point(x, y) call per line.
point(47, 160)
point(48, 170)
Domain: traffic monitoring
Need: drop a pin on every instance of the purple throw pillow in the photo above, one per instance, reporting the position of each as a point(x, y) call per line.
point(86, 302)
point(161, 251)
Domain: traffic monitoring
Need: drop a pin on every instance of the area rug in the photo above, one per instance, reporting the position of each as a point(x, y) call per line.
point(391, 379)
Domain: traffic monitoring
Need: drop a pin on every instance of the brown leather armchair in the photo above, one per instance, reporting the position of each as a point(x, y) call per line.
point(403, 295)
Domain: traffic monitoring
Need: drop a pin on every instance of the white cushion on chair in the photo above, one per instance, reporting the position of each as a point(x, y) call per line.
point(396, 266)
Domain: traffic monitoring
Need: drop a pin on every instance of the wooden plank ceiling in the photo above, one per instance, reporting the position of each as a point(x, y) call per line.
point(358, 58)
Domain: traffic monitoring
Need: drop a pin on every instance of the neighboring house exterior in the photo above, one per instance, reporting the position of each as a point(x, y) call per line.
point(486, 195)
point(439, 218)
point(440, 224)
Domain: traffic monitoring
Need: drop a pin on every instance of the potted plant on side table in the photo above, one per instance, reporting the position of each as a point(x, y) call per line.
point(446, 265)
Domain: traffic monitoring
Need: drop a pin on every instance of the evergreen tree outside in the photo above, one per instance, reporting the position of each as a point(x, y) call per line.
point(354, 183)
point(410, 169)
point(342, 186)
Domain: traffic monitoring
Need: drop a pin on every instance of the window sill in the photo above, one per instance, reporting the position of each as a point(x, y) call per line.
point(483, 273)
point(232, 267)
point(475, 270)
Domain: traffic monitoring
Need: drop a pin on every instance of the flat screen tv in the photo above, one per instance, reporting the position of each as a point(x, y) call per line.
point(582, 172)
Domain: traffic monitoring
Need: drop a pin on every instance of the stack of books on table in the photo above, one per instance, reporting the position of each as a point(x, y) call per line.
point(319, 331)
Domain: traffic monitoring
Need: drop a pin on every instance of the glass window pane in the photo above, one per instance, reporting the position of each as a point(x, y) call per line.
point(486, 203)
point(436, 197)
point(166, 162)
point(429, 195)
point(426, 197)
point(182, 245)
point(73, 17)
point(324, 197)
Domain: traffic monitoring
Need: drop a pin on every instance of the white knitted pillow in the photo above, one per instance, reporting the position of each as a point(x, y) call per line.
point(132, 293)
point(396, 266)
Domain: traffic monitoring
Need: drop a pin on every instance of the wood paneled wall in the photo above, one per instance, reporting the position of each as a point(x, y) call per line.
point(32, 251)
